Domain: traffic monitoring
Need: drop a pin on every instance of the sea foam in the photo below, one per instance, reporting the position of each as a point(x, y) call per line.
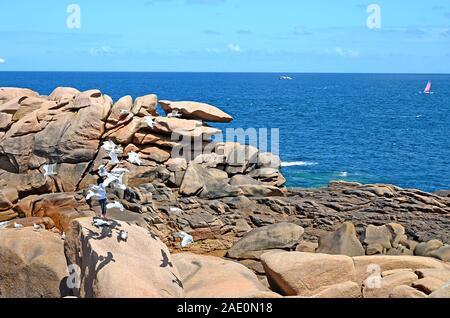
point(298, 163)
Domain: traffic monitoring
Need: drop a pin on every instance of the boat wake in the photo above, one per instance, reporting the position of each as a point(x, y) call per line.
point(298, 163)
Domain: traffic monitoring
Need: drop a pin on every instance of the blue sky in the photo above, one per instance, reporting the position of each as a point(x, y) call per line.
point(226, 35)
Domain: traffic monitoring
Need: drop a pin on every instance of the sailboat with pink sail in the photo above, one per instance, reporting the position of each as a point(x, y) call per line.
point(427, 89)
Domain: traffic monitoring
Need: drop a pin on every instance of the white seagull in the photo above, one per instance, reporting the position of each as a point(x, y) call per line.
point(102, 171)
point(174, 114)
point(109, 145)
point(133, 158)
point(124, 112)
point(3, 224)
point(115, 205)
point(186, 239)
point(36, 227)
point(18, 226)
point(149, 121)
point(123, 235)
point(99, 222)
point(63, 236)
point(113, 154)
point(49, 170)
point(91, 194)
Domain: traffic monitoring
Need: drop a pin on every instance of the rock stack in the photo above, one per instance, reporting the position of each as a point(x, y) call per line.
point(66, 130)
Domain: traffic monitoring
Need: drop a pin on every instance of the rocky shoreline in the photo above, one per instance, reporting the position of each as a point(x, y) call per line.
point(252, 236)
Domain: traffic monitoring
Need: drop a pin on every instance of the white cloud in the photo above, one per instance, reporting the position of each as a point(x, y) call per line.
point(101, 51)
point(213, 50)
point(234, 47)
point(2, 61)
point(343, 52)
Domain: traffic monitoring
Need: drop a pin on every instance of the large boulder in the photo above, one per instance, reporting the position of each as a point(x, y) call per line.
point(141, 266)
point(425, 248)
point(342, 241)
point(210, 277)
point(194, 110)
point(200, 182)
point(32, 264)
point(442, 253)
point(306, 274)
point(388, 262)
point(385, 286)
point(277, 236)
point(8, 196)
point(74, 137)
point(63, 94)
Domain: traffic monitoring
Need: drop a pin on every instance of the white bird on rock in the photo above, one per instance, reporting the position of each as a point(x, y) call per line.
point(36, 227)
point(174, 114)
point(123, 235)
point(63, 236)
point(49, 170)
point(99, 222)
point(124, 112)
point(3, 224)
point(115, 205)
point(133, 158)
point(186, 239)
point(18, 226)
point(149, 121)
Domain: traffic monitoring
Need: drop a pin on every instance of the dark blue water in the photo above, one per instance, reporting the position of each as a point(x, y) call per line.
point(366, 128)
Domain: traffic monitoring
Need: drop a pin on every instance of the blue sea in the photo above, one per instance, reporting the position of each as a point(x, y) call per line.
point(355, 127)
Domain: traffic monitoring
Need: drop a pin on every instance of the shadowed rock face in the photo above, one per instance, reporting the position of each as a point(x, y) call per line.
point(141, 266)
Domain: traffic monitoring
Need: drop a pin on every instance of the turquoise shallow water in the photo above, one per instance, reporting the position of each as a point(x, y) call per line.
point(355, 127)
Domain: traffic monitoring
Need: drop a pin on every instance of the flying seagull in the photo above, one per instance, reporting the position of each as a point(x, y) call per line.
point(109, 145)
point(115, 178)
point(123, 235)
point(102, 171)
point(49, 170)
point(133, 158)
point(186, 239)
point(113, 154)
point(92, 192)
point(115, 205)
point(165, 261)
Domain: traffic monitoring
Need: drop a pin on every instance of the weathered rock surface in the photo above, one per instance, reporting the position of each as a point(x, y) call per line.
point(208, 276)
point(32, 264)
point(343, 241)
point(277, 236)
point(304, 274)
point(194, 110)
point(139, 267)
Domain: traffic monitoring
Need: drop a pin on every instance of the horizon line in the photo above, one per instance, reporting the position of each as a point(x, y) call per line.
point(228, 72)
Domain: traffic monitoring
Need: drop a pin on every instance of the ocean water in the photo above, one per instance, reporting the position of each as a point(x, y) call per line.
point(356, 127)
